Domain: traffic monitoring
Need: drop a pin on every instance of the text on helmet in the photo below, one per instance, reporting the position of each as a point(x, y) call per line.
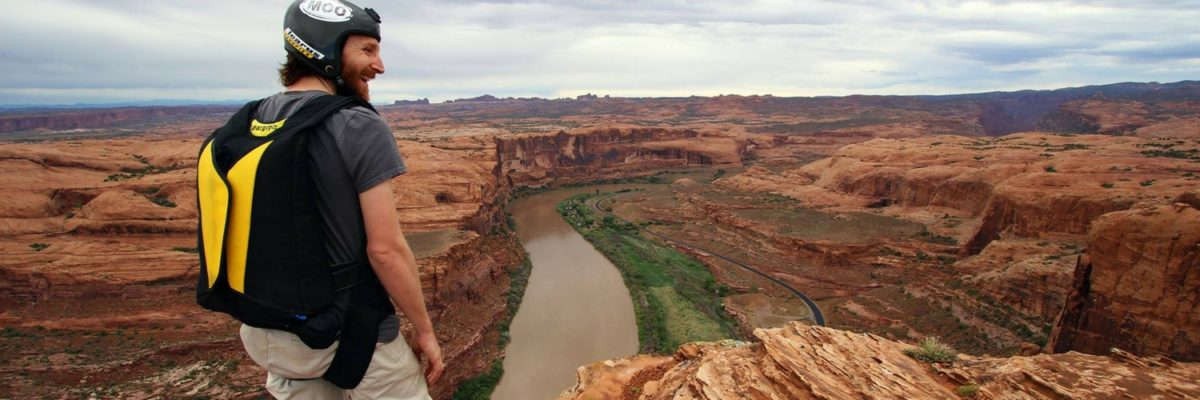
point(297, 43)
point(326, 10)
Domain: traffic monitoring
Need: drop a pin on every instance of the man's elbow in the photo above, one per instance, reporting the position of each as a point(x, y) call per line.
point(383, 254)
point(387, 253)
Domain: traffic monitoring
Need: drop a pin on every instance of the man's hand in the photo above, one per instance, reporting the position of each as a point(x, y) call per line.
point(427, 344)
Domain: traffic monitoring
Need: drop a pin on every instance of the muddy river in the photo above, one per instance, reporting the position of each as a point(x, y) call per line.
point(576, 309)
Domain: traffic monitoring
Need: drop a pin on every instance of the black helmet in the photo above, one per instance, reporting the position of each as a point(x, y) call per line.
point(314, 31)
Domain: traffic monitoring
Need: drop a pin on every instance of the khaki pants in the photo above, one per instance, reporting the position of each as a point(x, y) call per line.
point(294, 370)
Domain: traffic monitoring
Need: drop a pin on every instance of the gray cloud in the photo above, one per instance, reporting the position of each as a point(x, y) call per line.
point(64, 51)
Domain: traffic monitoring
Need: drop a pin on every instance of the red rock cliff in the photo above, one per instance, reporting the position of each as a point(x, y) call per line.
point(1027, 185)
point(102, 118)
point(1138, 286)
point(536, 160)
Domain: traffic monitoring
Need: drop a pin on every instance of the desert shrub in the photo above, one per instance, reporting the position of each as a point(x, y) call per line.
point(1050, 168)
point(1106, 185)
point(967, 390)
point(932, 350)
point(1187, 155)
point(163, 201)
point(931, 237)
point(888, 251)
point(39, 246)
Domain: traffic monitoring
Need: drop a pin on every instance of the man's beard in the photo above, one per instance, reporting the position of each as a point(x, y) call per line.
point(354, 86)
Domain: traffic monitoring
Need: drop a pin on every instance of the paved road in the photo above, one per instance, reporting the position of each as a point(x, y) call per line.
point(816, 311)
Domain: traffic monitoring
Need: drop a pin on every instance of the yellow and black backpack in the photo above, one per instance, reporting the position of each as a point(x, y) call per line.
point(262, 247)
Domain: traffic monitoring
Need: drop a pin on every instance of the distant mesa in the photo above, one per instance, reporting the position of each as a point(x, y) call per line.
point(487, 98)
point(417, 102)
point(480, 99)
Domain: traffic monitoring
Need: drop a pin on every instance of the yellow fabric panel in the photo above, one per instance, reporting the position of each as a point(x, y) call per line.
point(237, 243)
point(214, 203)
point(263, 129)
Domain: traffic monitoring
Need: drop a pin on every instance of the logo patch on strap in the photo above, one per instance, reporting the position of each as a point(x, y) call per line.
point(260, 129)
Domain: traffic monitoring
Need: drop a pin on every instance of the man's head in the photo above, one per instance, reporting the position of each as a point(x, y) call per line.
point(332, 39)
point(360, 64)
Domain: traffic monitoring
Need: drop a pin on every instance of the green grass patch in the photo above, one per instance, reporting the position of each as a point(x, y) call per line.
point(967, 390)
point(687, 324)
point(481, 386)
point(676, 299)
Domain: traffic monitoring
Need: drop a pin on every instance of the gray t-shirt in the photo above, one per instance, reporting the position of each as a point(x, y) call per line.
point(352, 151)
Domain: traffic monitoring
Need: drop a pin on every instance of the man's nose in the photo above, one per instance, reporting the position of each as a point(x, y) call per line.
point(377, 65)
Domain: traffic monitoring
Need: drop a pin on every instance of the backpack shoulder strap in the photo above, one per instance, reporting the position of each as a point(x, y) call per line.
point(238, 121)
point(319, 108)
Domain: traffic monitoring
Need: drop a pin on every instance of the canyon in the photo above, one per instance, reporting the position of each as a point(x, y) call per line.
point(1004, 224)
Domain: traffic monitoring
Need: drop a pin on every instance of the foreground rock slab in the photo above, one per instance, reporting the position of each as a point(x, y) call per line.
point(808, 362)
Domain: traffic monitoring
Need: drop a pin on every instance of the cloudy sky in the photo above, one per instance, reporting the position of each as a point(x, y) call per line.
point(65, 51)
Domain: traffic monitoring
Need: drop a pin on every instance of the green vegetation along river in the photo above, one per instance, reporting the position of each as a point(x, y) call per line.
point(676, 298)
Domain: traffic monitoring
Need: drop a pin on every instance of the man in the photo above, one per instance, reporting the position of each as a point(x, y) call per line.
point(332, 48)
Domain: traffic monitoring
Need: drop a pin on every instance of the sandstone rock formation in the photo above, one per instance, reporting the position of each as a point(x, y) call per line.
point(101, 118)
point(536, 160)
point(1027, 185)
point(804, 362)
point(1030, 275)
point(1017, 208)
point(1124, 117)
point(1137, 288)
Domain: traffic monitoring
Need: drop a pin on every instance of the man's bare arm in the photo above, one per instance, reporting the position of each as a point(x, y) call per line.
point(394, 263)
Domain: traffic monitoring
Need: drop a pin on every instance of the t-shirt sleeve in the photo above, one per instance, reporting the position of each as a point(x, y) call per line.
point(369, 150)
